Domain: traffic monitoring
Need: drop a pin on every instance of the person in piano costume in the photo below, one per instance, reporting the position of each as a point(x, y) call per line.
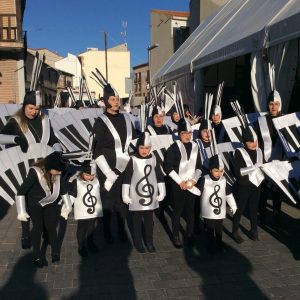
point(182, 164)
point(29, 126)
point(38, 198)
point(215, 193)
point(84, 190)
point(143, 188)
point(113, 133)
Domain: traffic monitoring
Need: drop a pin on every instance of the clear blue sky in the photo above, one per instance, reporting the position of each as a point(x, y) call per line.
point(73, 25)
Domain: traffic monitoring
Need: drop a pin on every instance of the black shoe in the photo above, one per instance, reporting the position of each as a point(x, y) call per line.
point(25, 243)
point(83, 252)
point(55, 258)
point(176, 242)
point(93, 248)
point(44, 261)
point(238, 239)
point(140, 249)
point(150, 248)
point(38, 262)
point(109, 239)
point(253, 235)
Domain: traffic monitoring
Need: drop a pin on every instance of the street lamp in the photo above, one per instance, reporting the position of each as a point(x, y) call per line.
point(150, 48)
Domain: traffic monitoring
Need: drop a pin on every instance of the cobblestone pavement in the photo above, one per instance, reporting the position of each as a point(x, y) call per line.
point(266, 269)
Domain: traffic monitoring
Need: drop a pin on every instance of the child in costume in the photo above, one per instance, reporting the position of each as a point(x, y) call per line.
point(84, 189)
point(143, 188)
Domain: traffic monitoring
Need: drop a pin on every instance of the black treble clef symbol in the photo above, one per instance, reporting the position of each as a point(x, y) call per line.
point(89, 200)
point(215, 200)
point(147, 189)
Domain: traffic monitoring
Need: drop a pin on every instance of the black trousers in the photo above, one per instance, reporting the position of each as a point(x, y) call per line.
point(276, 196)
point(142, 221)
point(183, 201)
point(246, 195)
point(85, 229)
point(44, 218)
point(214, 232)
point(112, 202)
point(25, 229)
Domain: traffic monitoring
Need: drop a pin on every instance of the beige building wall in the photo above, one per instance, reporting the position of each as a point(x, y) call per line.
point(163, 24)
point(201, 9)
point(118, 62)
point(50, 56)
point(9, 81)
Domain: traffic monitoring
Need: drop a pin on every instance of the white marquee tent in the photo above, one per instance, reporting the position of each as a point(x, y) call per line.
point(241, 27)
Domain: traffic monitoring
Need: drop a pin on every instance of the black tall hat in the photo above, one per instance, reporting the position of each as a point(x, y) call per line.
point(248, 134)
point(55, 161)
point(144, 140)
point(184, 125)
point(156, 111)
point(107, 92)
point(32, 97)
point(203, 125)
point(88, 167)
point(215, 162)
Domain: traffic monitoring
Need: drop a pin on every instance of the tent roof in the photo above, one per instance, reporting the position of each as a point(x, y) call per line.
point(238, 28)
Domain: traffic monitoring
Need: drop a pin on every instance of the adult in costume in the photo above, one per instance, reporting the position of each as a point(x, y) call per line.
point(272, 149)
point(182, 165)
point(113, 133)
point(39, 194)
point(29, 126)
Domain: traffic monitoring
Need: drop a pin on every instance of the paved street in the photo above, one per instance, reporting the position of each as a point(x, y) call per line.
point(267, 269)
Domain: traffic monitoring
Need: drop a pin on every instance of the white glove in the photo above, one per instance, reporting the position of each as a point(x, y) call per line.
point(66, 207)
point(21, 208)
point(258, 165)
point(233, 210)
point(111, 178)
point(162, 191)
point(125, 193)
point(23, 217)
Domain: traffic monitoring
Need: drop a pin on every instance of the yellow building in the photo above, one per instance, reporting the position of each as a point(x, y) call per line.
point(118, 66)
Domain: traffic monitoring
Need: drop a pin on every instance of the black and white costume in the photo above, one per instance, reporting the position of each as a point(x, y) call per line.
point(85, 196)
point(215, 193)
point(182, 164)
point(39, 131)
point(41, 199)
point(113, 134)
point(249, 180)
point(272, 148)
point(143, 188)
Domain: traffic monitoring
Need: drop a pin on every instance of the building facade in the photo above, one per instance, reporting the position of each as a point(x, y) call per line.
point(118, 66)
point(169, 29)
point(140, 84)
point(12, 51)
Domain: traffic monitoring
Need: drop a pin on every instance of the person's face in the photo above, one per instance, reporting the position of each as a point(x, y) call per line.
point(176, 117)
point(54, 172)
point(217, 173)
point(216, 118)
point(274, 107)
point(144, 151)
point(251, 145)
point(114, 102)
point(205, 136)
point(158, 120)
point(87, 176)
point(185, 136)
point(31, 111)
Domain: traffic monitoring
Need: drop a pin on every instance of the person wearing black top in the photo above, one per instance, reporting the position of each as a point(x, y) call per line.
point(272, 150)
point(143, 188)
point(41, 190)
point(113, 132)
point(217, 125)
point(247, 162)
point(182, 164)
point(29, 126)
